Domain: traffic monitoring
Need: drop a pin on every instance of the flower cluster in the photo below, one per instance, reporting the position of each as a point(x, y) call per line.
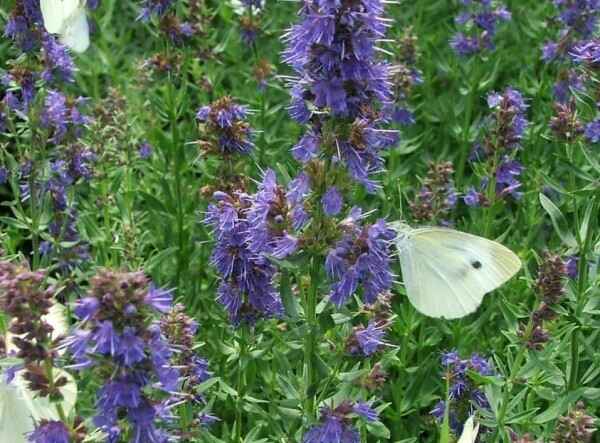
point(169, 24)
point(336, 423)
point(224, 127)
point(246, 289)
point(33, 94)
point(550, 287)
point(465, 396)
point(566, 125)
point(576, 427)
point(118, 337)
point(180, 331)
point(404, 78)
point(339, 79)
point(505, 129)
point(479, 19)
point(360, 258)
point(26, 299)
point(437, 196)
point(367, 341)
point(579, 20)
point(50, 432)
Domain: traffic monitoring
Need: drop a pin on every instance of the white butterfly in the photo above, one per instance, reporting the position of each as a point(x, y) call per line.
point(67, 18)
point(446, 272)
point(470, 431)
point(19, 407)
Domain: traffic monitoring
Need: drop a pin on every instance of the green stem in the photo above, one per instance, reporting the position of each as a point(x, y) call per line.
point(584, 246)
point(57, 405)
point(179, 156)
point(240, 385)
point(515, 368)
point(465, 142)
point(310, 339)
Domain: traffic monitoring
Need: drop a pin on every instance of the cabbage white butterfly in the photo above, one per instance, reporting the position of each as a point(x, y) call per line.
point(19, 407)
point(67, 19)
point(470, 431)
point(446, 272)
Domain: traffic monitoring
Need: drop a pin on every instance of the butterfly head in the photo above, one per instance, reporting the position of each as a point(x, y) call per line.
point(402, 232)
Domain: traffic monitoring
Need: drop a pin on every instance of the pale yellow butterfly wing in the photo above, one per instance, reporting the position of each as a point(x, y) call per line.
point(447, 273)
point(20, 408)
point(470, 431)
point(55, 13)
point(76, 34)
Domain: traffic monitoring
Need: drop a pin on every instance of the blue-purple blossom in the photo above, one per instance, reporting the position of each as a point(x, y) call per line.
point(365, 410)
point(592, 131)
point(510, 121)
point(145, 150)
point(579, 19)
point(50, 432)
point(225, 128)
point(270, 225)
point(332, 50)
point(117, 336)
point(58, 64)
point(246, 289)
point(153, 7)
point(332, 202)
point(367, 341)
point(59, 115)
point(360, 259)
point(465, 395)
point(571, 266)
point(335, 424)
point(472, 197)
point(507, 178)
point(479, 20)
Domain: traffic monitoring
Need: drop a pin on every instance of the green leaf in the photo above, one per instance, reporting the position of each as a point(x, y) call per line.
point(561, 226)
point(558, 407)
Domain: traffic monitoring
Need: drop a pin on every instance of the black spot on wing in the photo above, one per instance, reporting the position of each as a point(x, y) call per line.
point(476, 264)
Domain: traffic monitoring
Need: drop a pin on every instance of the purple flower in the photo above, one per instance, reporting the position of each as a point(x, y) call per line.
point(332, 202)
point(335, 425)
point(159, 299)
point(122, 392)
point(50, 432)
point(243, 235)
point(225, 128)
point(57, 61)
point(465, 394)
point(106, 339)
point(131, 348)
point(472, 197)
point(571, 266)
point(153, 7)
point(307, 148)
point(361, 257)
point(370, 339)
point(592, 131)
point(145, 151)
point(86, 308)
point(507, 178)
point(364, 410)
point(480, 20)
point(332, 49)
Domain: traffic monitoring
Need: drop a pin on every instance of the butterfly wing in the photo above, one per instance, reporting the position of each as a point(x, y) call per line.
point(41, 408)
point(76, 33)
point(56, 317)
point(56, 13)
point(448, 272)
point(15, 418)
point(470, 431)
